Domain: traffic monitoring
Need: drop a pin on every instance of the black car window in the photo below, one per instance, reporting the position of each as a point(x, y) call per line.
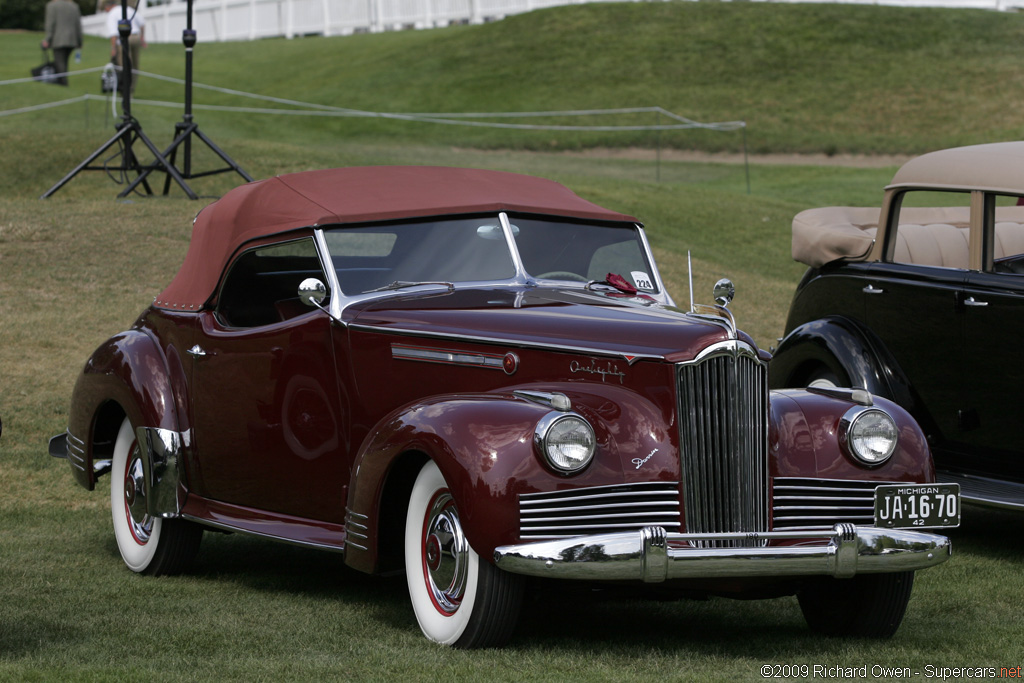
point(932, 229)
point(1007, 234)
point(261, 287)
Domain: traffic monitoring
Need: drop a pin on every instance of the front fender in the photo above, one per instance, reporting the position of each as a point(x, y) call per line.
point(480, 443)
point(804, 441)
point(483, 445)
point(129, 375)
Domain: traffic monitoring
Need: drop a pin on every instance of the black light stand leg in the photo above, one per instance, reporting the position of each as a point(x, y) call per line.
point(128, 131)
point(187, 127)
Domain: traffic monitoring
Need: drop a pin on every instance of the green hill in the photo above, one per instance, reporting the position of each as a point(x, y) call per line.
point(806, 78)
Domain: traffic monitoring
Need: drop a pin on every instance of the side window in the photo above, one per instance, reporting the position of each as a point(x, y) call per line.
point(1007, 239)
point(933, 229)
point(261, 287)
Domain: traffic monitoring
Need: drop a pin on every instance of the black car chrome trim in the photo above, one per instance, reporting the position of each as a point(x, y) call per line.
point(997, 493)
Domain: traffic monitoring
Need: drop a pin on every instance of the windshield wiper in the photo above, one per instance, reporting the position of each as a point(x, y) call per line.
point(401, 284)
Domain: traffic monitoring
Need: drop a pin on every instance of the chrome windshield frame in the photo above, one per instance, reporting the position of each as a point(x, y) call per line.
point(339, 300)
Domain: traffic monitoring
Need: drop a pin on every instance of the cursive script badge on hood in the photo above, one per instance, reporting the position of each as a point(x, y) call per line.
point(605, 369)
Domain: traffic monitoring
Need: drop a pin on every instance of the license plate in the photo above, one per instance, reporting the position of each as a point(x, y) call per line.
point(917, 506)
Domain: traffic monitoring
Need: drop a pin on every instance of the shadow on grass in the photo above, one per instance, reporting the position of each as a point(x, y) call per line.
point(990, 533)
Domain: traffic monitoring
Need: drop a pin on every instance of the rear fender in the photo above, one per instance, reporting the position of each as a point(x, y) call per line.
point(131, 376)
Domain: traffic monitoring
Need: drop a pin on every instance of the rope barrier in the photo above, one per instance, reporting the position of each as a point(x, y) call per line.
point(441, 118)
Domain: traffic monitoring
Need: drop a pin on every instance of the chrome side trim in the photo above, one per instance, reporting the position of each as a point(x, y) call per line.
point(491, 361)
point(249, 532)
point(355, 526)
point(518, 343)
point(652, 555)
point(76, 451)
point(161, 469)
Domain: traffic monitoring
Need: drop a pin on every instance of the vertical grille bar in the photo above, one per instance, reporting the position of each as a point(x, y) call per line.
point(723, 436)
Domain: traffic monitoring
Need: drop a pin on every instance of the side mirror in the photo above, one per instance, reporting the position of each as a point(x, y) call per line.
point(312, 292)
point(724, 292)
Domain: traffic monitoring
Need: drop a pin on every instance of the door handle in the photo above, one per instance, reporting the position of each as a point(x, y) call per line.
point(197, 352)
point(971, 301)
point(871, 289)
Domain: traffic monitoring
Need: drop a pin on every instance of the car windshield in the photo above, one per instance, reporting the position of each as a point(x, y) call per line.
point(475, 250)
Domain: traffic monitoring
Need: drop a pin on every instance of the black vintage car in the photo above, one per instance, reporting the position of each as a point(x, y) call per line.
point(923, 302)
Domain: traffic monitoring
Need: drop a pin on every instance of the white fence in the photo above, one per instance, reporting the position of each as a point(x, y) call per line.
point(220, 20)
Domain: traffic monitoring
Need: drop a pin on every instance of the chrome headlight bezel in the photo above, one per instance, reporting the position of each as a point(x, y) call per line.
point(554, 433)
point(861, 424)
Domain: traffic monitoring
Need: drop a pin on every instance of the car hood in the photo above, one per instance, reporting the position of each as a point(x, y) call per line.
point(575, 320)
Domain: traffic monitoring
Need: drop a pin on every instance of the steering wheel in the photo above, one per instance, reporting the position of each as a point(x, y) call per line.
point(563, 275)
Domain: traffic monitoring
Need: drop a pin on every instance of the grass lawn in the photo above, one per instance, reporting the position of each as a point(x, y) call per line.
point(79, 267)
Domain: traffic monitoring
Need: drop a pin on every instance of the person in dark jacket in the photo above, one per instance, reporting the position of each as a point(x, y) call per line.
point(63, 33)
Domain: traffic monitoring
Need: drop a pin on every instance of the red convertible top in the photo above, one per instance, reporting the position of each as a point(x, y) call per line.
point(356, 195)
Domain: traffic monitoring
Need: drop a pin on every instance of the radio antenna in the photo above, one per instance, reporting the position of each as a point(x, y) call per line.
point(689, 272)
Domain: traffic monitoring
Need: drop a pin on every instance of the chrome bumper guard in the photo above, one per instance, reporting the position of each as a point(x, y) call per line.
point(646, 555)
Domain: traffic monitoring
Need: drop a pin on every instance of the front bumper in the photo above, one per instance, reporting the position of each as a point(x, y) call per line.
point(652, 555)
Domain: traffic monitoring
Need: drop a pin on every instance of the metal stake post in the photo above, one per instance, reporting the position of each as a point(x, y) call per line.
point(187, 127)
point(129, 131)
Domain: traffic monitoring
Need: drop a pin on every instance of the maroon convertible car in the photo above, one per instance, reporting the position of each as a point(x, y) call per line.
point(476, 377)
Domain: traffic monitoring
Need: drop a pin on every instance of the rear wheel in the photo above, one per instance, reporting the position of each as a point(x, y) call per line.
point(458, 598)
point(866, 606)
point(149, 545)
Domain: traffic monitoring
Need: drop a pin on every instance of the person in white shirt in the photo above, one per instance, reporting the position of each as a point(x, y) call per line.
point(136, 40)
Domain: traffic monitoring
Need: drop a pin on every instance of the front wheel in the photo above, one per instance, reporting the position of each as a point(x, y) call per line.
point(866, 606)
point(148, 545)
point(459, 599)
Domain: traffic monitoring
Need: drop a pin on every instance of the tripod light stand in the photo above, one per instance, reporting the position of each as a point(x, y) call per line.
point(186, 128)
point(129, 131)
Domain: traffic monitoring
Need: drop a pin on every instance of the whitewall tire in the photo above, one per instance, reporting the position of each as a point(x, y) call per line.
point(147, 544)
point(459, 599)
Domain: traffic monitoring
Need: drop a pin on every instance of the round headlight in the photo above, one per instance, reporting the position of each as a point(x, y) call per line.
point(870, 435)
point(566, 441)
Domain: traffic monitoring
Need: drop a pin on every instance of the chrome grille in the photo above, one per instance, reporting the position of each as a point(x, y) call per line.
point(599, 509)
point(723, 441)
point(803, 503)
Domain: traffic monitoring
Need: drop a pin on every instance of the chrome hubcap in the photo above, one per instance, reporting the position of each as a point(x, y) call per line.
point(135, 508)
point(445, 554)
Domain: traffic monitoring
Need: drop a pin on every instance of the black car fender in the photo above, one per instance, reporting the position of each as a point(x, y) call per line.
point(844, 348)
